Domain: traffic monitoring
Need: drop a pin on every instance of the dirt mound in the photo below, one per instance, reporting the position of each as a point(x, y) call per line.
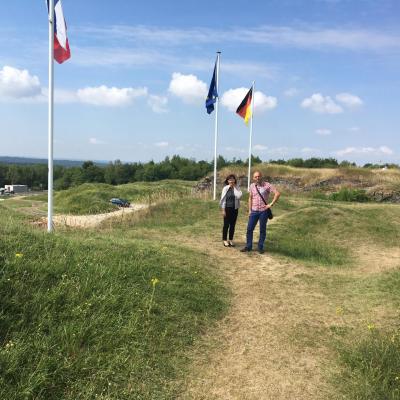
point(295, 184)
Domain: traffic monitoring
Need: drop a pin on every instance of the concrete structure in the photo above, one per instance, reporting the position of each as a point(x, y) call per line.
point(16, 188)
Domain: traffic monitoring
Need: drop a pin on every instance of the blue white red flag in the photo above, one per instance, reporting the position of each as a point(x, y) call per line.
point(61, 45)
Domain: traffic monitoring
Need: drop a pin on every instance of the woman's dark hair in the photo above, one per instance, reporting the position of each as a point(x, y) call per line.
point(231, 176)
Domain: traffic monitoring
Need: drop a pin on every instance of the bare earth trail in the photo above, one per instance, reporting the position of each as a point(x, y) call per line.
point(70, 220)
point(252, 353)
point(91, 221)
point(273, 342)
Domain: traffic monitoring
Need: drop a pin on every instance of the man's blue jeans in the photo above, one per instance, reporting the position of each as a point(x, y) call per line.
point(254, 217)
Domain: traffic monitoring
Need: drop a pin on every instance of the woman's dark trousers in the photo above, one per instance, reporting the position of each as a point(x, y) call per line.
point(229, 223)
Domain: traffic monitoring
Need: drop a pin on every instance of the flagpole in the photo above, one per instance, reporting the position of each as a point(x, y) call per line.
point(216, 127)
point(251, 134)
point(50, 119)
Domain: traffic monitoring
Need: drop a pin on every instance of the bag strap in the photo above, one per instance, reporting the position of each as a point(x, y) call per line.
point(260, 194)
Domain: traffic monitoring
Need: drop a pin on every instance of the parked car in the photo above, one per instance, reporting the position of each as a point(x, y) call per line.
point(120, 202)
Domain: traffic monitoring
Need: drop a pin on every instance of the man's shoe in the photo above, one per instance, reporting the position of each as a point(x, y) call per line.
point(261, 251)
point(245, 249)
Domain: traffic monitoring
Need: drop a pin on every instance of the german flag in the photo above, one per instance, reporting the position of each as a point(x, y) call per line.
point(244, 110)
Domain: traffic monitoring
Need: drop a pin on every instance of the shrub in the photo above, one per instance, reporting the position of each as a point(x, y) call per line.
point(345, 194)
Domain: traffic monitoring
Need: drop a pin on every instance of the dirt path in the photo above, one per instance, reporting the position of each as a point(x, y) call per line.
point(91, 221)
point(254, 353)
point(77, 221)
point(274, 342)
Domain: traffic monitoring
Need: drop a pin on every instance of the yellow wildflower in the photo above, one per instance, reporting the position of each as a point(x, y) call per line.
point(154, 281)
point(371, 326)
point(18, 255)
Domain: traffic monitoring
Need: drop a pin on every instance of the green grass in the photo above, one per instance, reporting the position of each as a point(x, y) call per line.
point(374, 224)
point(297, 235)
point(81, 318)
point(93, 198)
point(371, 368)
point(304, 235)
point(344, 194)
point(189, 216)
point(352, 195)
point(314, 231)
point(365, 338)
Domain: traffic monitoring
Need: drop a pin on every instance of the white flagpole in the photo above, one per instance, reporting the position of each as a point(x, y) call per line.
point(216, 127)
point(251, 134)
point(50, 118)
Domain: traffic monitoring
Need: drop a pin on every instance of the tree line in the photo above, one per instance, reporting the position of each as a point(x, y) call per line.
point(117, 172)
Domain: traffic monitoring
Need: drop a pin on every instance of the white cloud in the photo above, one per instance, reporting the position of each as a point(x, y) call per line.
point(236, 150)
point(308, 150)
point(252, 68)
point(188, 87)
point(232, 98)
point(158, 103)
point(18, 84)
point(161, 144)
point(94, 140)
point(354, 129)
point(280, 151)
point(382, 150)
point(349, 100)
point(112, 56)
point(291, 92)
point(260, 147)
point(65, 96)
point(279, 36)
point(321, 104)
point(319, 39)
point(110, 97)
point(386, 150)
point(323, 131)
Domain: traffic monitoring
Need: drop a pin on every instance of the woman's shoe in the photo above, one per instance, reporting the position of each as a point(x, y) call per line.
point(226, 244)
point(231, 244)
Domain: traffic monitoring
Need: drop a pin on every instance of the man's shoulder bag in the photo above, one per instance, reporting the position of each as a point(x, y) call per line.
point(269, 212)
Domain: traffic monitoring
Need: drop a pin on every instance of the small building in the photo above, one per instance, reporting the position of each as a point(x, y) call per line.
point(16, 188)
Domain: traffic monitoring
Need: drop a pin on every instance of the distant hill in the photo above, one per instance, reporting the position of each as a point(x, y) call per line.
point(27, 160)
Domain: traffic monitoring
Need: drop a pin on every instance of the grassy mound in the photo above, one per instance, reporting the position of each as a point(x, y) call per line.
point(93, 198)
point(389, 179)
point(302, 235)
point(97, 317)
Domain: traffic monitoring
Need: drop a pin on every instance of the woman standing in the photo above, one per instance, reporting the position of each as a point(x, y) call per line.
point(230, 203)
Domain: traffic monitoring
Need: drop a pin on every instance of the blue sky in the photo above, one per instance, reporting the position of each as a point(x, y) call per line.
point(327, 73)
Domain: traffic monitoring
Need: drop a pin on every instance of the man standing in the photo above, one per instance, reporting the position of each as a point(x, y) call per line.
point(258, 205)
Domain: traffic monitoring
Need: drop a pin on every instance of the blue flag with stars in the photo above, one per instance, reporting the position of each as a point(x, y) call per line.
point(212, 92)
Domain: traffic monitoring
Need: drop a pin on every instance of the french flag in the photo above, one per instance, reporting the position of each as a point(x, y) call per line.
point(61, 45)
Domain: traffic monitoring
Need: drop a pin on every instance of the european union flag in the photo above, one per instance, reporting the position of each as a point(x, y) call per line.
point(212, 93)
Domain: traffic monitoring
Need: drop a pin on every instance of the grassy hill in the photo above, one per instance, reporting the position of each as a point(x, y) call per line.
point(93, 198)
point(378, 184)
point(119, 310)
point(96, 315)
